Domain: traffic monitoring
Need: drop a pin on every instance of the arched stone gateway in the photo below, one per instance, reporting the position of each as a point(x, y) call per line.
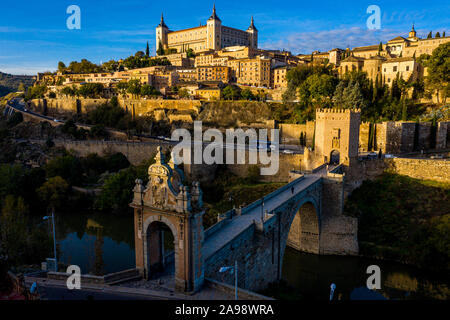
point(165, 201)
point(334, 157)
point(305, 214)
point(158, 252)
point(304, 231)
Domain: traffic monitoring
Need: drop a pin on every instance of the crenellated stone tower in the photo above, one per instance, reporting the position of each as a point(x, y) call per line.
point(337, 135)
point(166, 202)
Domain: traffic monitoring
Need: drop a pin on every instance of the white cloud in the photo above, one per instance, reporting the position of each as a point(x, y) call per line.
point(306, 42)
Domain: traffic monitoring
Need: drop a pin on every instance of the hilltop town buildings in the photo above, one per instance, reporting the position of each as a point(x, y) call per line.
point(212, 36)
point(216, 54)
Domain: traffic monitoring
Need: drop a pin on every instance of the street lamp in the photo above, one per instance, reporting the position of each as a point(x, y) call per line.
point(230, 198)
point(262, 210)
point(332, 288)
point(225, 269)
point(54, 234)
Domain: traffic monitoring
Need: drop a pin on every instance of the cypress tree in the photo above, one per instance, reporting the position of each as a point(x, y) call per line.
point(430, 35)
point(147, 50)
point(160, 50)
point(443, 34)
point(404, 111)
point(438, 35)
point(375, 89)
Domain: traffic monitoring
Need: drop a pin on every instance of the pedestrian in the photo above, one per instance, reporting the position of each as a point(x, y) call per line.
point(292, 190)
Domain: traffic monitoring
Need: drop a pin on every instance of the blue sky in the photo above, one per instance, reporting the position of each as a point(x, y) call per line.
point(34, 36)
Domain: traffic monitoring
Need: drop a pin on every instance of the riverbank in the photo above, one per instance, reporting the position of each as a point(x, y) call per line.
point(403, 219)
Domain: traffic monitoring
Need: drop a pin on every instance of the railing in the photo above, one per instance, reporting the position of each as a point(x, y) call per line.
point(231, 213)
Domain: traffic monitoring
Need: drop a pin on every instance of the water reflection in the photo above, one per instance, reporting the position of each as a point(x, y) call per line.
point(96, 242)
point(312, 275)
point(103, 243)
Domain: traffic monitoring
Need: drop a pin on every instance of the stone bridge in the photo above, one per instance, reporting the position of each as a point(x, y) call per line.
point(305, 214)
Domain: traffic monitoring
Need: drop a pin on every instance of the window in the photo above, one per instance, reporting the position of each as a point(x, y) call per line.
point(407, 68)
point(395, 68)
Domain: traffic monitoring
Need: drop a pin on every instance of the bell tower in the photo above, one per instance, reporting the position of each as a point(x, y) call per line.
point(161, 35)
point(412, 36)
point(214, 31)
point(253, 35)
point(166, 203)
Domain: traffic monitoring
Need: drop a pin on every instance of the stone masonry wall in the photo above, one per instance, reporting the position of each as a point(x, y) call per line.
point(428, 169)
point(136, 152)
point(135, 107)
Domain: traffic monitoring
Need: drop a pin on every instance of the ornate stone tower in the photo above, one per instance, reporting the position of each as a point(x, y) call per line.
point(337, 135)
point(253, 35)
point(166, 203)
point(214, 31)
point(161, 34)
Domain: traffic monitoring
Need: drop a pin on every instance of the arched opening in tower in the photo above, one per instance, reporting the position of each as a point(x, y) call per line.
point(160, 251)
point(334, 157)
point(304, 232)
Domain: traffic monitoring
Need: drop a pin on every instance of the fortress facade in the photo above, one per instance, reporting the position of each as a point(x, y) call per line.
point(212, 36)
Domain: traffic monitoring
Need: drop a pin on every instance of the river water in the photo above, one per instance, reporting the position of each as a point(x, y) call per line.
point(103, 243)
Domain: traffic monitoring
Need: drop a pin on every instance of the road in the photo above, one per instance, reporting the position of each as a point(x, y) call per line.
point(19, 105)
point(56, 290)
point(56, 293)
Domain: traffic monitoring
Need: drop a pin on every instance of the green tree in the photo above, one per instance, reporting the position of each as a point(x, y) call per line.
point(147, 50)
point(99, 131)
point(21, 87)
point(350, 96)
point(68, 167)
point(231, 92)
point(438, 35)
point(438, 76)
point(110, 66)
point(190, 53)
point(68, 91)
point(117, 191)
point(134, 87)
point(148, 90)
point(160, 50)
point(61, 66)
point(247, 94)
point(54, 192)
point(91, 90)
point(430, 35)
point(183, 93)
point(122, 86)
point(84, 66)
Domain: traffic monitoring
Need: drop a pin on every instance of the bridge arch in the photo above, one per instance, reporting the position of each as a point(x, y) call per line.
point(308, 208)
point(304, 228)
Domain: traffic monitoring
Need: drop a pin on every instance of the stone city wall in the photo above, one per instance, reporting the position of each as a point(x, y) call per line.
point(427, 169)
point(136, 152)
point(290, 133)
point(137, 107)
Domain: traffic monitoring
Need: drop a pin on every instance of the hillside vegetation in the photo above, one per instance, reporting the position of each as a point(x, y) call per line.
point(404, 219)
point(11, 83)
